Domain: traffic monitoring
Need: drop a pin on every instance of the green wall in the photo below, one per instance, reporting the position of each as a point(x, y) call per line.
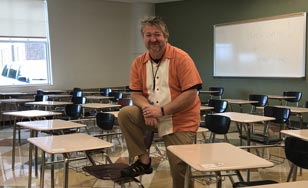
point(191, 28)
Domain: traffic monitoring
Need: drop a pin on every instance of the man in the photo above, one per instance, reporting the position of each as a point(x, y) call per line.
point(163, 83)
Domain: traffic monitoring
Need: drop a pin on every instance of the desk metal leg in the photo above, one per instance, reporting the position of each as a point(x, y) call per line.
point(66, 161)
point(14, 144)
point(52, 170)
point(42, 169)
point(219, 179)
point(248, 144)
point(30, 165)
point(187, 176)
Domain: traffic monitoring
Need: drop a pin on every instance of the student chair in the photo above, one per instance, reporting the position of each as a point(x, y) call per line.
point(219, 93)
point(217, 124)
point(262, 102)
point(219, 105)
point(296, 94)
point(105, 91)
point(72, 112)
point(79, 100)
point(296, 151)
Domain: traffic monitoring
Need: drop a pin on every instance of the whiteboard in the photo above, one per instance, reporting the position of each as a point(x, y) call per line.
point(267, 47)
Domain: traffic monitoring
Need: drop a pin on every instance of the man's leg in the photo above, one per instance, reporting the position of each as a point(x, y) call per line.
point(177, 166)
point(133, 127)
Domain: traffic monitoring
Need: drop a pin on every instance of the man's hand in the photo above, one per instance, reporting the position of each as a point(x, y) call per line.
point(151, 121)
point(152, 111)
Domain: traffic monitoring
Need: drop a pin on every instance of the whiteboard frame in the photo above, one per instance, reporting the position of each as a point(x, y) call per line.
point(303, 59)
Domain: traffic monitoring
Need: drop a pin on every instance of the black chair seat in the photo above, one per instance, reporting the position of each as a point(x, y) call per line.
point(110, 172)
point(253, 183)
point(262, 139)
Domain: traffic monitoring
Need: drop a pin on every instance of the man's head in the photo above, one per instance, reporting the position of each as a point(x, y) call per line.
point(155, 35)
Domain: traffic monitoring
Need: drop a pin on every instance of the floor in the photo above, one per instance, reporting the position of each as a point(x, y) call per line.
point(78, 179)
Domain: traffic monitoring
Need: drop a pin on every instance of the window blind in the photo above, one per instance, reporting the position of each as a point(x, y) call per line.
point(23, 18)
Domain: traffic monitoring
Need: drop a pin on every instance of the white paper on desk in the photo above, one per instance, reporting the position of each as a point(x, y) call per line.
point(211, 165)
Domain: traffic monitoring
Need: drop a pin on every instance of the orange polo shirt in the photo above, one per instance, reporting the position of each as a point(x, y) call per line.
point(175, 73)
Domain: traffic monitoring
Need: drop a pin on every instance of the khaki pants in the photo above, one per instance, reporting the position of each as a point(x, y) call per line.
point(134, 129)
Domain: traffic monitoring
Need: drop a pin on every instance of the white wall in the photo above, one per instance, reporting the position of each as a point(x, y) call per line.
point(93, 42)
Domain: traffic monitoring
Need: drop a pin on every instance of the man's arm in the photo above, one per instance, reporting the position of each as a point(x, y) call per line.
point(143, 103)
point(178, 104)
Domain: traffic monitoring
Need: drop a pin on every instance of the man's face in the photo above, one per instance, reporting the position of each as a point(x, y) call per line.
point(154, 40)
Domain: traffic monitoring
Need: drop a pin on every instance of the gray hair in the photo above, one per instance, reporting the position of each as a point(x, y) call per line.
point(155, 21)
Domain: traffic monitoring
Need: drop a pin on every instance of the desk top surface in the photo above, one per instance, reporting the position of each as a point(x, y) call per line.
point(204, 108)
point(32, 113)
point(16, 93)
point(208, 91)
point(295, 109)
point(49, 103)
point(280, 97)
point(8, 101)
point(246, 118)
point(212, 157)
point(98, 97)
point(301, 133)
point(99, 105)
point(48, 125)
point(240, 101)
point(294, 184)
point(69, 143)
point(58, 95)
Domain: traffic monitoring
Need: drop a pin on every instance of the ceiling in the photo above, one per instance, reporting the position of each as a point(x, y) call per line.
point(144, 1)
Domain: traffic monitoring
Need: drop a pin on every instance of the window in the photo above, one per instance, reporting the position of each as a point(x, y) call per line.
point(24, 44)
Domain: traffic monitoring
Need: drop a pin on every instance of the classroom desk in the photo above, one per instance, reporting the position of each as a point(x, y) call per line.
point(239, 102)
point(212, 158)
point(48, 125)
point(99, 98)
point(206, 108)
point(302, 133)
point(47, 104)
point(99, 106)
point(16, 102)
point(59, 96)
point(91, 92)
point(15, 94)
point(207, 92)
point(63, 144)
point(245, 119)
point(53, 91)
point(12, 102)
point(297, 111)
point(30, 114)
point(279, 97)
point(294, 184)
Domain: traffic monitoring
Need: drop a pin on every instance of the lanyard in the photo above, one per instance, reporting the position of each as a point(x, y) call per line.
point(154, 74)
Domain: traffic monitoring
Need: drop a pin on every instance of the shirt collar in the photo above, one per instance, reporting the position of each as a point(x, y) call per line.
point(167, 55)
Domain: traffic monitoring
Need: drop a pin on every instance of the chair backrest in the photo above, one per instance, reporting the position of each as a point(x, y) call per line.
point(73, 111)
point(296, 94)
point(40, 92)
point(262, 100)
point(125, 102)
point(79, 100)
point(281, 115)
point(116, 96)
point(77, 93)
point(41, 97)
point(77, 89)
point(218, 124)
point(127, 89)
point(219, 93)
point(105, 91)
point(296, 151)
point(219, 105)
point(105, 121)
